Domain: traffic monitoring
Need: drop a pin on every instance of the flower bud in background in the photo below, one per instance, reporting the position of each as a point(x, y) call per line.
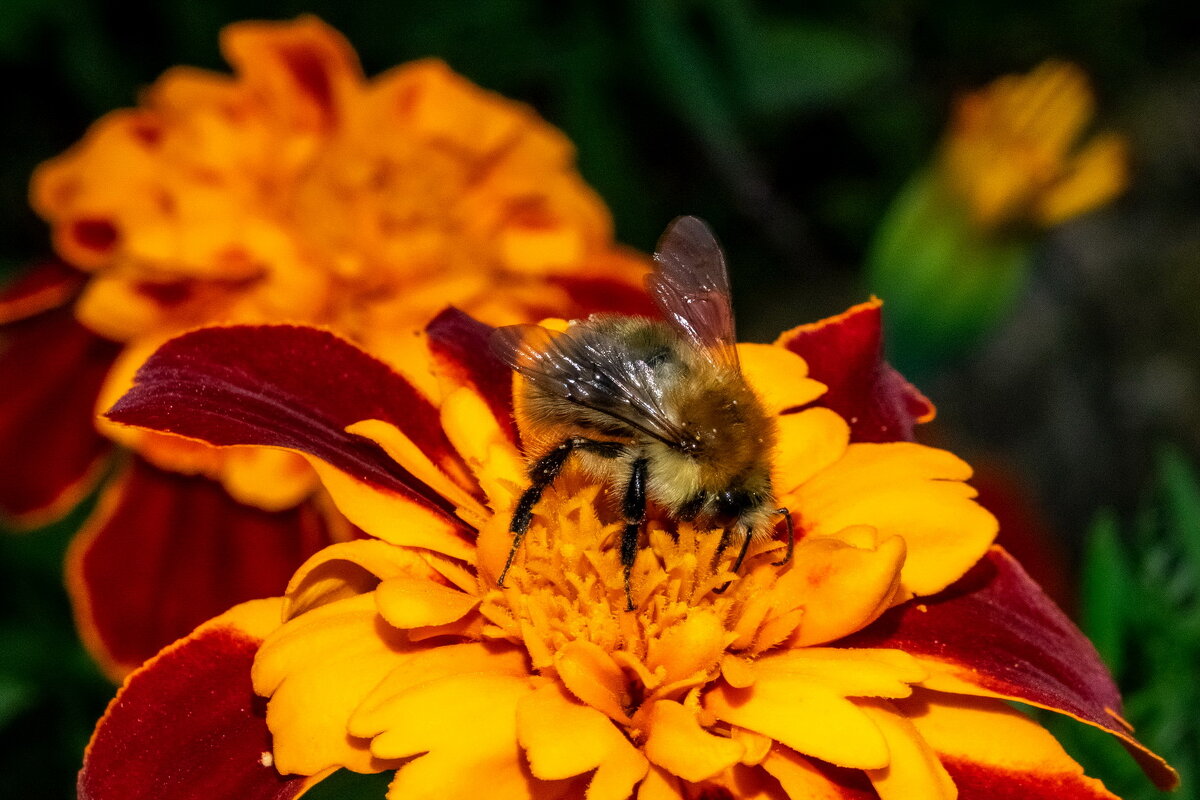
point(954, 250)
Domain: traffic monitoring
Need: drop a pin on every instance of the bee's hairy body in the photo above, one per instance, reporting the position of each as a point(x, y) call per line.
point(720, 477)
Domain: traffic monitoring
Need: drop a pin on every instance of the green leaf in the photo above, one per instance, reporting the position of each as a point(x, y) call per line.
point(347, 785)
point(1105, 591)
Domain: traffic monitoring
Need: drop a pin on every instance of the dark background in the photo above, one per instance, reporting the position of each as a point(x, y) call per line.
point(790, 132)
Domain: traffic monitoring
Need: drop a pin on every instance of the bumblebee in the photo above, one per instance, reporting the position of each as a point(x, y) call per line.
point(657, 409)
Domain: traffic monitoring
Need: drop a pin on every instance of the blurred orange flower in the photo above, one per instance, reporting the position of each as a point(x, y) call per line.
point(293, 190)
point(1015, 150)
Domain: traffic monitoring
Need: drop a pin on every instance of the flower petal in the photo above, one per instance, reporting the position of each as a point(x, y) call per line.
point(994, 633)
point(807, 717)
point(809, 441)
point(680, 745)
point(778, 377)
point(163, 552)
point(459, 342)
point(347, 569)
point(914, 769)
point(563, 738)
point(592, 675)
point(300, 388)
point(816, 780)
point(462, 730)
point(906, 490)
point(188, 724)
point(317, 669)
point(993, 750)
point(407, 602)
point(47, 285)
point(51, 368)
point(846, 354)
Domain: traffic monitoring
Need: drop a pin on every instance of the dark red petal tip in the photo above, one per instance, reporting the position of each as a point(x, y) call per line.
point(460, 344)
point(49, 284)
point(286, 386)
point(846, 354)
point(997, 630)
point(188, 726)
point(164, 552)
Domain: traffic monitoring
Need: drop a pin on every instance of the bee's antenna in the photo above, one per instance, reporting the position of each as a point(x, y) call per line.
point(791, 531)
point(737, 564)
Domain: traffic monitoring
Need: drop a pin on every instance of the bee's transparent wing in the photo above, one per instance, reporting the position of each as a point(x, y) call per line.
point(690, 284)
point(591, 369)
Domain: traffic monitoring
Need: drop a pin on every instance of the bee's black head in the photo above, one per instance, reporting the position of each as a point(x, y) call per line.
point(731, 505)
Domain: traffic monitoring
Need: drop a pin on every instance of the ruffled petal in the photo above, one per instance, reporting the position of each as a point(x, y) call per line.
point(804, 778)
point(678, 744)
point(914, 769)
point(808, 442)
point(347, 569)
point(906, 490)
point(459, 344)
point(188, 724)
point(299, 389)
point(995, 633)
point(778, 376)
point(51, 368)
point(846, 354)
point(563, 738)
point(316, 670)
point(407, 602)
point(163, 552)
point(992, 750)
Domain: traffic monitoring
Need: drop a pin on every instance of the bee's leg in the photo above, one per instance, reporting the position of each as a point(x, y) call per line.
point(726, 536)
point(633, 508)
point(541, 475)
point(791, 530)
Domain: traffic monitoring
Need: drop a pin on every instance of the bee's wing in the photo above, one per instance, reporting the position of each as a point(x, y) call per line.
point(592, 369)
point(690, 284)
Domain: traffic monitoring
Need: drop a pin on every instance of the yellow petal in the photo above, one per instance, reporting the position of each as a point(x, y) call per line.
point(809, 441)
point(778, 376)
point(1098, 173)
point(659, 785)
point(693, 646)
point(347, 569)
point(915, 770)
point(847, 672)
point(807, 717)
point(841, 587)
point(316, 670)
point(563, 738)
point(462, 730)
point(908, 490)
point(592, 676)
point(478, 438)
point(680, 745)
point(377, 713)
point(414, 602)
point(801, 779)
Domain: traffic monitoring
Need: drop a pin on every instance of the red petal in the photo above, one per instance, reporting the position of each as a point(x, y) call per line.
point(48, 285)
point(164, 552)
point(189, 725)
point(287, 386)
point(988, 782)
point(460, 343)
point(51, 369)
point(846, 354)
point(1000, 632)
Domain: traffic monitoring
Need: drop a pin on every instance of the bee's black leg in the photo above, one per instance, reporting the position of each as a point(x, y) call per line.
point(633, 508)
point(541, 475)
point(726, 536)
point(791, 530)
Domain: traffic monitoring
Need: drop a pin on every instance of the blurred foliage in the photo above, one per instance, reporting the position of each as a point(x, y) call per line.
point(1140, 604)
point(791, 132)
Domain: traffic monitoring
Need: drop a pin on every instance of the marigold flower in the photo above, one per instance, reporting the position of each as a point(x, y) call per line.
point(876, 663)
point(1013, 151)
point(293, 190)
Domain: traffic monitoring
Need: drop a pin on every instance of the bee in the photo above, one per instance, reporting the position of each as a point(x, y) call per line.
point(657, 409)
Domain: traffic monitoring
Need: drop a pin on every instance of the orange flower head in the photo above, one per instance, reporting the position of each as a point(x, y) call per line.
point(1014, 153)
point(298, 190)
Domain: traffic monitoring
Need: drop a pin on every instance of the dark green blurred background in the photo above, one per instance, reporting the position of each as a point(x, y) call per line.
point(790, 131)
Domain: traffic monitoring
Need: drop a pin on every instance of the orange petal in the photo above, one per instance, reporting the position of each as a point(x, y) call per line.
point(914, 770)
point(591, 674)
point(985, 743)
point(347, 569)
point(316, 670)
point(778, 376)
point(849, 673)
point(809, 441)
point(680, 745)
point(807, 717)
point(841, 586)
point(802, 778)
point(413, 602)
point(563, 738)
point(908, 490)
point(659, 785)
point(690, 648)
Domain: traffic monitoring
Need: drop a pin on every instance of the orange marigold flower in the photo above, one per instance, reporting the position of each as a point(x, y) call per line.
point(875, 664)
point(1013, 151)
